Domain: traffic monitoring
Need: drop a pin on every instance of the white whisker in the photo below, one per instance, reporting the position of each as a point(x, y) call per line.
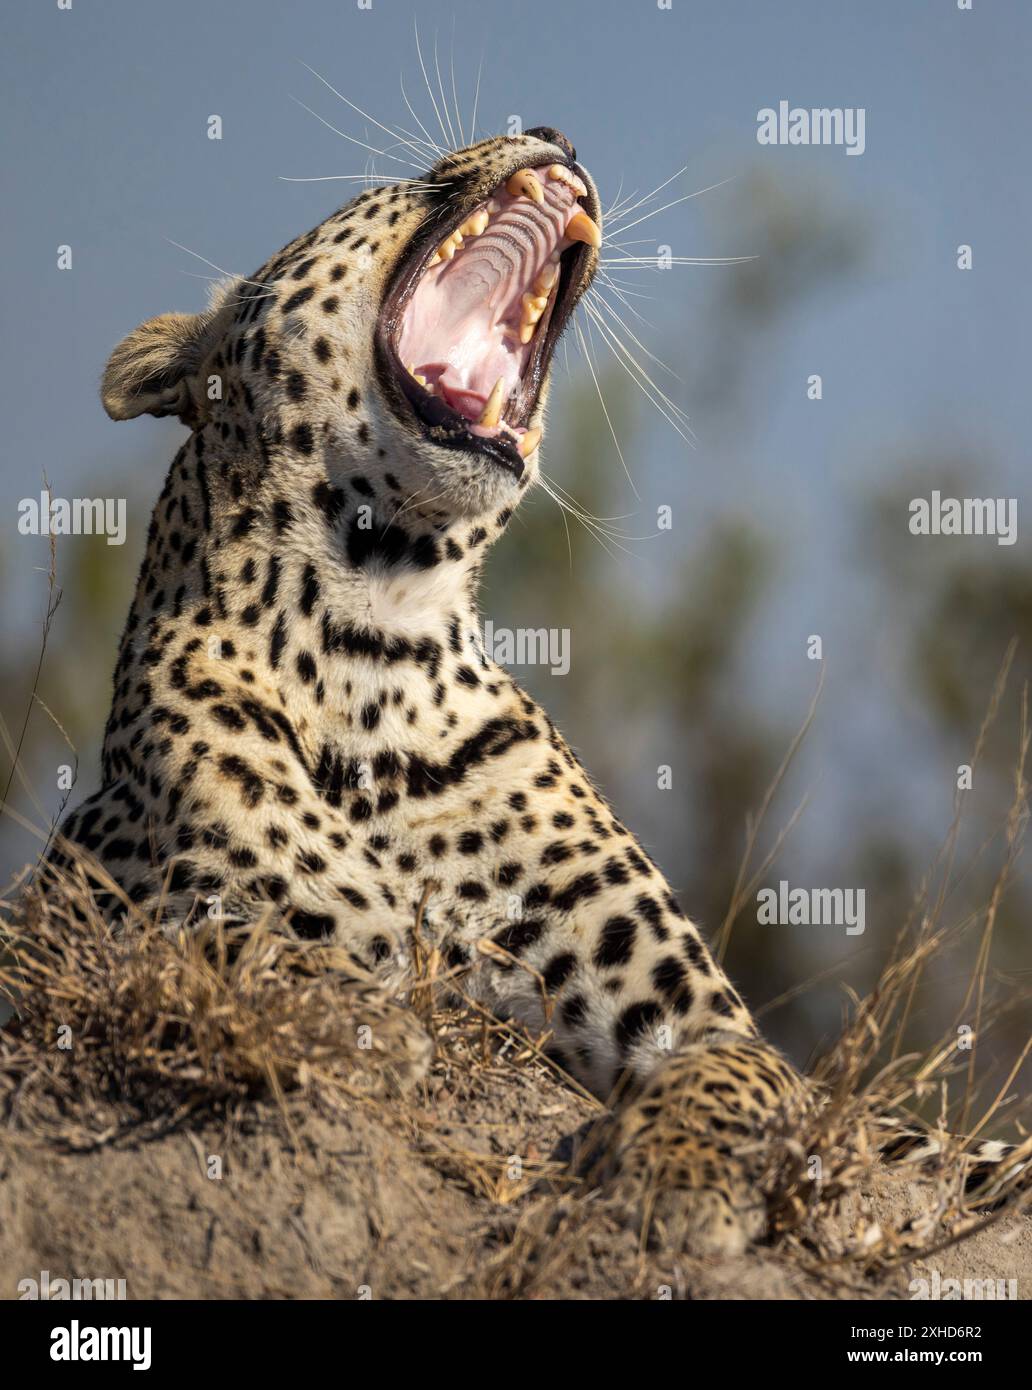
point(361, 143)
point(616, 201)
point(476, 101)
point(621, 289)
point(215, 280)
point(619, 212)
point(602, 400)
point(414, 499)
point(661, 262)
point(653, 212)
point(629, 362)
point(229, 273)
point(671, 412)
point(357, 178)
point(590, 516)
point(405, 137)
point(631, 241)
point(426, 79)
point(455, 94)
point(604, 536)
point(444, 99)
point(601, 302)
point(566, 510)
point(562, 512)
point(438, 149)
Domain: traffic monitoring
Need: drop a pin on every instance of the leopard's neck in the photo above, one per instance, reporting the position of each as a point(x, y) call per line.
point(357, 614)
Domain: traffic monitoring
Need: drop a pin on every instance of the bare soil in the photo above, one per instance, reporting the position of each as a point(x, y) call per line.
point(457, 1191)
point(238, 1116)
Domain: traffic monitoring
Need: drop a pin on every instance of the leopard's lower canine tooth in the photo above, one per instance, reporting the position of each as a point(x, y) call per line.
point(581, 228)
point(564, 175)
point(493, 409)
point(526, 184)
point(528, 443)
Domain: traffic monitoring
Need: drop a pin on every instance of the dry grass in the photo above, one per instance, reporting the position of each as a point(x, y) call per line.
point(148, 1028)
point(165, 1028)
point(865, 1077)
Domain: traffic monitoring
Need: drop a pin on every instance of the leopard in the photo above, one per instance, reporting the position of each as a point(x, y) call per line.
point(305, 717)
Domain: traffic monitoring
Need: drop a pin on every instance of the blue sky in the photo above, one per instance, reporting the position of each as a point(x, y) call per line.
point(106, 109)
point(107, 106)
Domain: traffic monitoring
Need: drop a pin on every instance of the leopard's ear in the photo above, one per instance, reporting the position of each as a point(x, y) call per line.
point(156, 370)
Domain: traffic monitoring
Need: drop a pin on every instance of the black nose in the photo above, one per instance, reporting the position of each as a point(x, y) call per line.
point(553, 137)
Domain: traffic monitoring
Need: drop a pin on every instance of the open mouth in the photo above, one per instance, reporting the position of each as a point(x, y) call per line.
point(473, 315)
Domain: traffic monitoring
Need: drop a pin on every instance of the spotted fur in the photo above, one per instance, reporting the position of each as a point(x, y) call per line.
point(304, 713)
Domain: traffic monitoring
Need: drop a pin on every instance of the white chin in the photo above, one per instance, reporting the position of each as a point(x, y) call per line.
point(473, 484)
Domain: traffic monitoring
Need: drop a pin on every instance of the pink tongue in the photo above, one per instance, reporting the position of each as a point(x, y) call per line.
point(460, 329)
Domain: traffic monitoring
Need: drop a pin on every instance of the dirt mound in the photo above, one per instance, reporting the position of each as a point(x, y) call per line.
point(368, 1204)
point(238, 1116)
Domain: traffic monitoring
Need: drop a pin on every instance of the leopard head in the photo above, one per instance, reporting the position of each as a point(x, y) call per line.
point(398, 354)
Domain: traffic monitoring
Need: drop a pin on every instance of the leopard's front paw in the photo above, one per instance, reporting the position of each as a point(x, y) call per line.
point(686, 1195)
point(689, 1153)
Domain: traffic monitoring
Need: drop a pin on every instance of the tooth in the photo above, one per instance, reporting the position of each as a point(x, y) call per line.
point(581, 228)
point(528, 443)
point(449, 246)
point(564, 175)
point(476, 224)
point(493, 409)
point(546, 279)
point(525, 183)
point(531, 309)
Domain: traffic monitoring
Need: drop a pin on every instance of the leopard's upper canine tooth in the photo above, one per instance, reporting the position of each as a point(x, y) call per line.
point(525, 183)
point(492, 412)
point(581, 228)
point(477, 224)
point(529, 442)
point(564, 175)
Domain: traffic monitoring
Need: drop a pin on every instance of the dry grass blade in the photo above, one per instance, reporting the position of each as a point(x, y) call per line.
point(148, 1022)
